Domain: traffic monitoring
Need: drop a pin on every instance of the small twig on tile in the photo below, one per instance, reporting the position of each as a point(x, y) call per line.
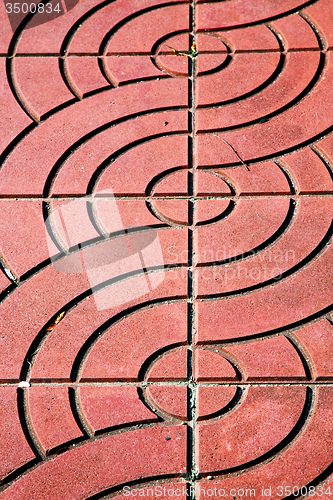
point(177, 52)
point(234, 150)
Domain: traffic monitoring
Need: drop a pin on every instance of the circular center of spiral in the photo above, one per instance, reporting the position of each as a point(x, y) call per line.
point(174, 203)
point(174, 54)
point(172, 372)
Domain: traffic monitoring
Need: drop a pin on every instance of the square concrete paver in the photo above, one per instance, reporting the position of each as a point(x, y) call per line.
point(166, 202)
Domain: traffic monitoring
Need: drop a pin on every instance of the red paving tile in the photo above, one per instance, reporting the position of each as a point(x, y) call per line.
point(32, 72)
point(13, 118)
point(13, 440)
point(22, 256)
point(165, 261)
point(106, 407)
point(297, 32)
point(266, 416)
point(4, 281)
point(51, 416)
point(294, 466)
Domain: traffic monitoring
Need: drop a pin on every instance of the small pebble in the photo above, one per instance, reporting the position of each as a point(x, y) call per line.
point(24, 384)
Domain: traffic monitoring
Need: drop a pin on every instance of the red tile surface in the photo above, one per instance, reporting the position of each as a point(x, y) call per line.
point(309, 170)
point(47, 37)
point(166, 208)
point(166, 489)
point(4, 281)
point(262, 178)
point(268, 262)
point(129, 27)
point(321, 15)
point(169, 400)
point(283, 90)
point(258, 219)
point(315, 339)
point(106, 407)
point(301, 296)
point(242, 12)
point(142, 32)
point(51, 416)
point(273, 359)
point(109, 357)
point(211, 89)
point(27, 219)
point(213, 399)
point(13, 118)
point(284, 469)
point(46, 365)
point(68, 133)
point(6, 29)
point(18, 452)
point(84, 74)
point(296, 32)
point(128, 68)
point(211, 366)
point(262, 421)
point(171, 366)
point(257, 37)
point(95, 468)
point(32, 72)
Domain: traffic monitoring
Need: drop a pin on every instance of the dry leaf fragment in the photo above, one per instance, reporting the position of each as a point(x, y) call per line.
point(56, 321)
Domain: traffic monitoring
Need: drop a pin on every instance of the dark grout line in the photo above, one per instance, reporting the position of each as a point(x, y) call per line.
point(163, 53)
point(173, 196)
point(263, 382)
point(192, 470)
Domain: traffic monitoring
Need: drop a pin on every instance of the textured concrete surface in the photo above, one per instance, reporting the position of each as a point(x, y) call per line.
point(166, 182)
